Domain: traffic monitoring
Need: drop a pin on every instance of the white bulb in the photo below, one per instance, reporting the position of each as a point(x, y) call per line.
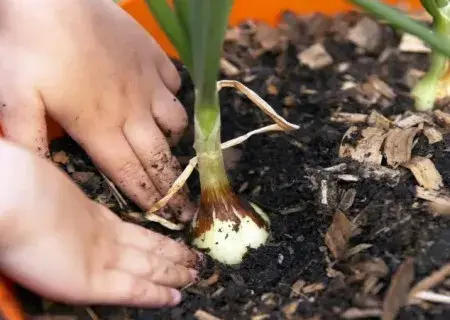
point(228, 240)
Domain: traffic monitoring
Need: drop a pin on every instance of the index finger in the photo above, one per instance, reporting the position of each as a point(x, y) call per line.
point(155, 243)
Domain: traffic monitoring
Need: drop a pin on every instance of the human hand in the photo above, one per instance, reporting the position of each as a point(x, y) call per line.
point(62, 245)
point(97, 73)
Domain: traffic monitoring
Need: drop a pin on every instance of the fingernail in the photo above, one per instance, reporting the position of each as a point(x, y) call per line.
point(201, 258)
point(176, 296)
point(188, 212)
point(194, 275)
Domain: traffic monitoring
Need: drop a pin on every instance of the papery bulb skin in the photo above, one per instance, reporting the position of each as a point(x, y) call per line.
point(226, 226)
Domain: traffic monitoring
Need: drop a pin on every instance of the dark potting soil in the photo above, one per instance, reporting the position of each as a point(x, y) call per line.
point(283, 172)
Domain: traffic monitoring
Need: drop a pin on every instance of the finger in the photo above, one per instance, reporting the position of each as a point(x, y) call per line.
point(152, 268)
point(23, 122)
point(154, 152)
point(169, 114)
point(157, 244)
point(114, 156)
point(123, 288)
point(167, 71)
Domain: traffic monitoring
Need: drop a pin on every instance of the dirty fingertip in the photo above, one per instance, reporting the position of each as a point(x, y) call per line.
point(176, 296)
point(186, 213)
point(201, 259)
point(194, 275)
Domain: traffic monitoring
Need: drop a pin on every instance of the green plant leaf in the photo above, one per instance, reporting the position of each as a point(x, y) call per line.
point(181, 8)
point(430, 6)
point(402, 21)
point(168, 21)
point(207, 21)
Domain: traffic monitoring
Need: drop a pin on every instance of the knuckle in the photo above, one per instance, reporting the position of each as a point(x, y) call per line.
point(138, 290)
point(160, 154)
point(129, 170)
point(151, 272)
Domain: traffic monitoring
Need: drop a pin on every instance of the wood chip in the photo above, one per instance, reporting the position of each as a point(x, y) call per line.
point(367, 149)
point(348, 177)
point(343, 66)
point(270, 299)
point(232, 35)
point(314, 287)
point(203, 315)
point(398, 145)
point(357, 249)
point(347, 199)
point(297, 287)
point(433, 135)
point(442, 117)
point(229, 69)
point(378, 120)
point(382, 87)
point(433, 297)
point(425, 172)
point(60, 157)
point(412, 44)
point(205, 283)
point(346, 117)
point(355, 313)
point(272, 89)
point(347, 85)
point(410, 121)
point(397, 294)
point(374, 267)
point(440, 209)
point(369, 284)
point(412, 76)
point(338, 235)
point(430, 282)
point(439, 202)
point(290, 309)
point(315, 57)
point(366, 34)
point(269, 38)
point(387, 175)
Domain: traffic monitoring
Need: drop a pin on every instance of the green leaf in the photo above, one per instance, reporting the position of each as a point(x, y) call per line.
point(402, 21)
point(181, 8)
point(208, 21)
point(198, 27)
point(430, 6)
point(169, 23)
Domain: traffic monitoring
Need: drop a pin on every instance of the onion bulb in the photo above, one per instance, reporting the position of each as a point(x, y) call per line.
point(225, 225)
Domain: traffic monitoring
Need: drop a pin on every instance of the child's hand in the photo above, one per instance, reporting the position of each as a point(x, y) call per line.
point(60, 244)
point(94, 70)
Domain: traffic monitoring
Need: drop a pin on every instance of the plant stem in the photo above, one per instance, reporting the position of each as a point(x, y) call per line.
point(207, 143)
point(426, 90)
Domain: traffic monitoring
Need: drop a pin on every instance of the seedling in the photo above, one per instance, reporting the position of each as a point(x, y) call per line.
point(225, 225)
point(435, 85)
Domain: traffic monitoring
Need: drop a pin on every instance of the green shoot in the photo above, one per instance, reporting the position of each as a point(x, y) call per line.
point(436, 83)
point(224, 225)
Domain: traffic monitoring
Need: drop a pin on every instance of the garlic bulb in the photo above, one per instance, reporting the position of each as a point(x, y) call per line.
point(226, 226)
